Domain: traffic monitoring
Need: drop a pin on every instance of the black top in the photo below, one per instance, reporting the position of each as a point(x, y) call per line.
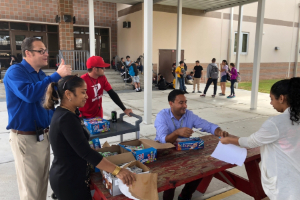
point(69, 140)
point(198, 70)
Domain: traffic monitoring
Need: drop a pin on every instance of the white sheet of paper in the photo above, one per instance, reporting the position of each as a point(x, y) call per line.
point(230, 153)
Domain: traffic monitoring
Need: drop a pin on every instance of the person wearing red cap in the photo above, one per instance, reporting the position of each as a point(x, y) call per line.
point(96, 83)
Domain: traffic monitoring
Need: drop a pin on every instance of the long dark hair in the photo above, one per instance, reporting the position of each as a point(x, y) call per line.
point(55, 91)
point(291, 89)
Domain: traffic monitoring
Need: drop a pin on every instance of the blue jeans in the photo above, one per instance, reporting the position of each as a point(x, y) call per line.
point(232, 86)
point(140, 67)
point(181, 83)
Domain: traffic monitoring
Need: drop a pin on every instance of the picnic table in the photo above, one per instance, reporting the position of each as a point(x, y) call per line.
point(175, 168)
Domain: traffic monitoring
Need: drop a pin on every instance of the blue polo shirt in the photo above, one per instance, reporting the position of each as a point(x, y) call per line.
point(25, 89)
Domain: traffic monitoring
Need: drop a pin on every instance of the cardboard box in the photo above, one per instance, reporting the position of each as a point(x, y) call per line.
point(97, 125)
point(189, 144)
point(112, 184)
point(148, 154)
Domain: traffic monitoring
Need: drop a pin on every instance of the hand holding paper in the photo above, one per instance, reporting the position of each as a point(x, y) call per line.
point(230, 153)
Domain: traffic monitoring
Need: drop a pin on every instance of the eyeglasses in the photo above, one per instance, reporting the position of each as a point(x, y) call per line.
point(69, 80)
point(42, 52)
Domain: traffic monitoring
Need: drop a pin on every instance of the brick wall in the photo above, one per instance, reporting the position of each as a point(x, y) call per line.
point(29, 10)
point(46, 10)
point(66, 36)
point(105, 15)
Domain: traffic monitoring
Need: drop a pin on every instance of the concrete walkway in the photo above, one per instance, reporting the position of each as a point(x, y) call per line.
point(232, 115)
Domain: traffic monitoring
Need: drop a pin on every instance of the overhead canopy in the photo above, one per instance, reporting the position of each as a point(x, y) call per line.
point(205, 5)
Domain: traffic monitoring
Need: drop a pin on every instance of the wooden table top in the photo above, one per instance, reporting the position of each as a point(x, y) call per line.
point(175, 168)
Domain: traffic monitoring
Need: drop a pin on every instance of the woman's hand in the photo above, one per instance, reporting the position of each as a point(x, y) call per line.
point(231, 139)
point(126, 176)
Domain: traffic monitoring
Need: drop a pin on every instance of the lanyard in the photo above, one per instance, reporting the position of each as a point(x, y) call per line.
point(175, 125)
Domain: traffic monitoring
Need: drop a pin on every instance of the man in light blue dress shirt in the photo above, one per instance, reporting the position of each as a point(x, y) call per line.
point(175, 122)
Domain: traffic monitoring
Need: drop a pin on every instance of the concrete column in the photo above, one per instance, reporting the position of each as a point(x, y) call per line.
point(239, 40)
point(148, 40)
point(230, 36)
point(92, 27)
point(178, 46)
point(257, 53)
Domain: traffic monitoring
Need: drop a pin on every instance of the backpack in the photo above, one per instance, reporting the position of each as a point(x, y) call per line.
point(184, 72)
point(131, 71)
point(214, 72)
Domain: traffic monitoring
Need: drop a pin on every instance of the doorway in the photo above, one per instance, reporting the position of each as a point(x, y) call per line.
point(19, 36)
point(166, 59)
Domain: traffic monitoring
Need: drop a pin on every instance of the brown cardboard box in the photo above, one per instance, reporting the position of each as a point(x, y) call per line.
point(149, 153)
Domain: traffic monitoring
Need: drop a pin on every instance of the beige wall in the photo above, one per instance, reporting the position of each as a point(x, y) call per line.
point(130, 40)
point(206, 37)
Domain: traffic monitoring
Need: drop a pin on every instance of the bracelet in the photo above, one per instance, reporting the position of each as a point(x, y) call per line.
point(116, 171)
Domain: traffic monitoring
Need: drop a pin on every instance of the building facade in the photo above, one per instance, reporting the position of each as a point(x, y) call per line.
point(23, 18)
point(206, 36)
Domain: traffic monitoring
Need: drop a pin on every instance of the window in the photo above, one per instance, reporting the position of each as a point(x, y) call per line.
point(244, 43)
point(19, 26)
point(4, 40)
point(37, 27)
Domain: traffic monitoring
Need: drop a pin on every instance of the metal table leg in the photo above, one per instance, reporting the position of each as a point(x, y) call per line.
point(137, 134)
point(121, 138)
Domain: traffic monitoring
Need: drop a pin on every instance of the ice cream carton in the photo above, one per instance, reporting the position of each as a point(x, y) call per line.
point(189, 143)
point(97, 125)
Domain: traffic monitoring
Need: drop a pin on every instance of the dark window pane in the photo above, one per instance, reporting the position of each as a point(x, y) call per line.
point(19, 56)
point(104, 31)
point(4, 40)
point(19, 39)
point(52, 63)
point(4, 25)
point(235, 42)
point(19, 26)
point(244, 46)
point(53, 54)
point(97, 31)
point(86, 30)
point(78, 30)
point(53, 42)
point(37, 27)
point(5, 60)
point(52, 28)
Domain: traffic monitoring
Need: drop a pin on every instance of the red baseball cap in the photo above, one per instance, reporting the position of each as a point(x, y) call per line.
point(96, 61)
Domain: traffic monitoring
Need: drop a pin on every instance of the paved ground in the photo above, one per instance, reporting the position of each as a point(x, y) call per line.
point(232, 115)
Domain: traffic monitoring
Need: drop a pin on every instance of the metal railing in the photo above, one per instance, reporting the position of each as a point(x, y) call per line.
point(76, 58)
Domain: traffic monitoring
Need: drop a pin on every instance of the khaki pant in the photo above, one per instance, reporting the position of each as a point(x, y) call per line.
point(196, 82)
point(32, 161)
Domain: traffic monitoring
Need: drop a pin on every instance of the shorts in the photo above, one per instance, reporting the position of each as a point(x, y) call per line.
point(136, 79)
point(224, 78)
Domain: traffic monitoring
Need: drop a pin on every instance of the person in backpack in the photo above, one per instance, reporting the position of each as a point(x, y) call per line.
point(212, 75)
point(134, 73)
point(162, 84)
point(181, 76)
point(233, 76)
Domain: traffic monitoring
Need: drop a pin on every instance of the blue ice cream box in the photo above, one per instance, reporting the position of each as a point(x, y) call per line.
point(97, 125)
point(189, 143)
point(144, 150)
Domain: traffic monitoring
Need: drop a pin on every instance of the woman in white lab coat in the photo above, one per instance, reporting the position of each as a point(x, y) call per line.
point(279, 142)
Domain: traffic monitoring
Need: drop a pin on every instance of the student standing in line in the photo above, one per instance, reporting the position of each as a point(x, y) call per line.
point(180, 75)
point(224, 71)
point(233, 76)
point(212, 75)
point(197, 76)
point(279, 142)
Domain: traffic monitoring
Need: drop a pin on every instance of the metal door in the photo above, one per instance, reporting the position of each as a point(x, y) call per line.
point(166, 59)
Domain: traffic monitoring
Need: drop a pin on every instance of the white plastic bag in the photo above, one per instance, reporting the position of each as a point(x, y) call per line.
point(125, 190)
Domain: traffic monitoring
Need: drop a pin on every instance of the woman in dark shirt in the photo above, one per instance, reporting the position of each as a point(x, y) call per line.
point(69, 173)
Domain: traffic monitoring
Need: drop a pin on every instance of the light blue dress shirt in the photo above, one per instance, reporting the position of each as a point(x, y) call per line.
point(164, 123)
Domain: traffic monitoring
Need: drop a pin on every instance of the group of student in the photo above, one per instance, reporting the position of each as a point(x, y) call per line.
point(70, 98)
point(212, 74)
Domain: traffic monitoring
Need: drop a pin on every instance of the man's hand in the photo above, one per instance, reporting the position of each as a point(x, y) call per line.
point(184, 132)
point(220, 133)
point(64, 70)
point(128, 111)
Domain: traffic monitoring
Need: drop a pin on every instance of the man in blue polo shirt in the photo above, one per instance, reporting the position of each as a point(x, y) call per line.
point(25, 86)
point(176, 122)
